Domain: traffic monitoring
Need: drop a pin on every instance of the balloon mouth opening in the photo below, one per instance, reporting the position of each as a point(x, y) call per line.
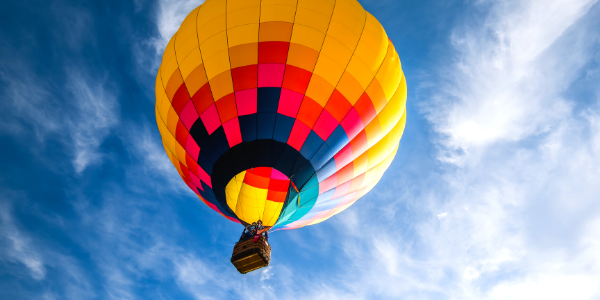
point(258, 194)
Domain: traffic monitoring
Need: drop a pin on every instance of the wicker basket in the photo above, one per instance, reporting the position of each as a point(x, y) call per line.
point(251, 254)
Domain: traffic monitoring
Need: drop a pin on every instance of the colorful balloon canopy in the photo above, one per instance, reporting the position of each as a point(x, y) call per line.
point(284, 111)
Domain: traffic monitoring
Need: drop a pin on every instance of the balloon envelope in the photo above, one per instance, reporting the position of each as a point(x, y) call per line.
point(283, 111)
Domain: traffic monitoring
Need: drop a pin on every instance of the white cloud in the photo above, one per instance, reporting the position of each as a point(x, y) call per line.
point(16, 246)
point(170, 14)
point(96, 113)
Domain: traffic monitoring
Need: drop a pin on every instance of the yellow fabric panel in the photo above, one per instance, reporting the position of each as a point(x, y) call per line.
point(164, 107)
point(319, 89)
point(172, 119)
point(373, 131)
point(221, 85)
point(211, 10)
point(173, 84)
point(159, 90)
point(329, 69)
point(390, 73)
point(393, 111)
point(361, 164)
point(168, 138)
point(183, 48)
point(243, 55)
point(373, 44)
point(279, 2)
point(349, 15)
point(336, 51)
point(350, 88)
point(181, 154)
point(275, 31)
point(233, 190)
point(244, 16)
point(302, 57)
point(324, 7)
point(283, 13)
point(214, 45)
point(190, 63)
point(234, 5)
point(341, 33)
point(271, 213)
point(385, 164)
point(212, 28)
point(168, 56)
point(308, 37)
point(379, 151)
point(186, 34)
point(369, 177)
point(244, 34)
point(312, 19)
point(398, 131)
point(217, 64)
point(360, 71)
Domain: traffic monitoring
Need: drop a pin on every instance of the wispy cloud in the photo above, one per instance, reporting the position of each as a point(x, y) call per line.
point(16, 246)
point(169, 16)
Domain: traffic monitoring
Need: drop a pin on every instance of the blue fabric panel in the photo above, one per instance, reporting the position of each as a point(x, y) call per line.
point(205, 163)
point(325, 196)
point(327, 170)
point(248, 127)
point(220, 140)
point(321, 157)
point(268, 99)
point(311, 145)
point(283, 128)
point(337, 140)
point(266, 125)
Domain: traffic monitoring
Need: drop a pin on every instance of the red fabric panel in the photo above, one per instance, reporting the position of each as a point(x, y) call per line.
point(226, 107)
point(245, 77)
point(180, 99)
point(181, 134)
point(232, 132)
point(203, 99)
point(365, 109)
point(272, 52)
point(296, 79)
point(338, 106)
point(309, 111)
point(298, 135)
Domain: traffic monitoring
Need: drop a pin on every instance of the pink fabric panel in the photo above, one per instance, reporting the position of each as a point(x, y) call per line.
point(298, 135)
point(289, 103)
point(341, 190)
point(232, 132)
point(343, 157)
point(192, 148)
point(211, 120)
point(328, 184)
point(196, 181)
point(204, 176)
point(325, 125)
point(275, 174)
point(352, 124)
point(246, 102)
point(189, 115)
point(270, 75)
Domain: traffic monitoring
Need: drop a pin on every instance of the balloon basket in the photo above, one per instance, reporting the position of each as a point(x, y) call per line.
point(251, 254)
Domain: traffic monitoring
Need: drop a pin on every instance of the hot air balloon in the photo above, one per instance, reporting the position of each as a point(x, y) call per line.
point(279, 114)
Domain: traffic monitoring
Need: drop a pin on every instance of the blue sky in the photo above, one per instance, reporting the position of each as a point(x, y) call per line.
point(493, 193)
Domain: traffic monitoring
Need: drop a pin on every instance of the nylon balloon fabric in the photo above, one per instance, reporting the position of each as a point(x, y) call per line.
point(284, 111)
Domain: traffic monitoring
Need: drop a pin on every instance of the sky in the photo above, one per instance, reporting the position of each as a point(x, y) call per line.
point(494, 192)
